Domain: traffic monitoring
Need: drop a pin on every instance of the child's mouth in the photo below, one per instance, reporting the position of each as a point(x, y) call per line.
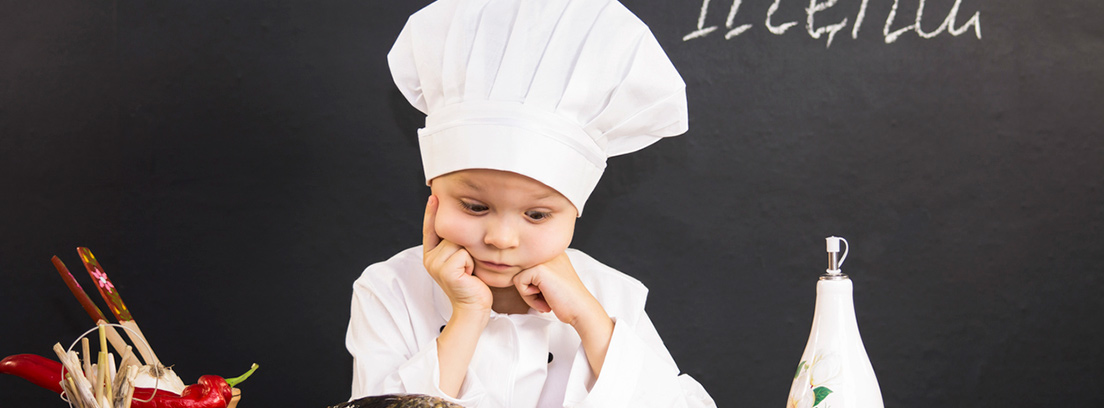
point(494, 266)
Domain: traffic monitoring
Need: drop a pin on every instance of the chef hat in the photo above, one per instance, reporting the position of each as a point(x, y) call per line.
point(547, 89)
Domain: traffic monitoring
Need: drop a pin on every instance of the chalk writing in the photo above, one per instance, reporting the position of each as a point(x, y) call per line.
point(817, 30)
point(773, 28)
point(831, 29)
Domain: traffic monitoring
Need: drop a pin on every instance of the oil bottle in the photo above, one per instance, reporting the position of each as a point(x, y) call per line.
point(835, 370)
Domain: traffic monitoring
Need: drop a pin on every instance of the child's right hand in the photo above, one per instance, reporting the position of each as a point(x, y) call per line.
point(452, 266)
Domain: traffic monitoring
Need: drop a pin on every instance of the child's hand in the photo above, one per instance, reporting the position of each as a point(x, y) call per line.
point(452, 266)
point(554, 286)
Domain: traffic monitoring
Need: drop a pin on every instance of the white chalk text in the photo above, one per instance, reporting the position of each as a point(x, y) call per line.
point(891, 31)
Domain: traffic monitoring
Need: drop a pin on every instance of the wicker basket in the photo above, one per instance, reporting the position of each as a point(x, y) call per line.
point(235, 399)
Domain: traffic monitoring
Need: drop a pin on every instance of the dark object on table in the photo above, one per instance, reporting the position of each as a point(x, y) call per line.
point(398, 401)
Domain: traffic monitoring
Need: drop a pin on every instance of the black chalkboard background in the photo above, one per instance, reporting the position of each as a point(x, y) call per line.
point(235, 165)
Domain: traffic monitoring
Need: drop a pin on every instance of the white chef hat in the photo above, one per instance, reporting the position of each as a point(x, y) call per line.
point(544, 88)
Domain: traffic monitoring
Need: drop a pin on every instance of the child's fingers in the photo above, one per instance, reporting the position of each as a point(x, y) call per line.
point(448, 262)
point(452, 270)
point(442, 257)
point(461, 260)
point(429, 233)
point(537, 302)
point(527, 290)
point(534, 298)
point(524, 282)
point(530, 292)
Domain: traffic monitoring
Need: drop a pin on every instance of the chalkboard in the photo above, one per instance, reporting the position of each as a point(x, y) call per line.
point(235, 166)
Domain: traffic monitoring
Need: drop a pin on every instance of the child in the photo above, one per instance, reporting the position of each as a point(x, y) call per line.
point(525, 100)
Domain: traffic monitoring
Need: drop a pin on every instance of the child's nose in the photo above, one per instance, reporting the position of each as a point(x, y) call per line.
point(501, 234)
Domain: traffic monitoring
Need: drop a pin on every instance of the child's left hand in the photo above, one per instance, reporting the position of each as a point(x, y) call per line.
point(554, 286)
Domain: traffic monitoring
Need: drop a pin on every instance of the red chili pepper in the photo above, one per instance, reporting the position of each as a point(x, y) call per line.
point(211, 391)
point(41, 371)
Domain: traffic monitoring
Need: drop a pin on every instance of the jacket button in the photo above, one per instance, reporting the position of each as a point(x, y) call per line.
point(549, 358)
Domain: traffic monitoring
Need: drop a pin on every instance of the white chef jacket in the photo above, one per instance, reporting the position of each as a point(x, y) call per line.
point(521, 360)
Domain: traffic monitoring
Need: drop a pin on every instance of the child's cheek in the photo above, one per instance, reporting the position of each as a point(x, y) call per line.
point(550, 244)
point(451, 226)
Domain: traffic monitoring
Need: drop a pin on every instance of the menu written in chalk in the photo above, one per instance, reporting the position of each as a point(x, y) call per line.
point(891, 30)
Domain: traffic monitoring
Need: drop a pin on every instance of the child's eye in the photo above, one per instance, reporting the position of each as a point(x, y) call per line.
point(538, 215)
point(473, 207)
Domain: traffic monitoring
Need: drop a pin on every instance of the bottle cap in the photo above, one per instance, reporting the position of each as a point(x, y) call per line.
point(833, 247)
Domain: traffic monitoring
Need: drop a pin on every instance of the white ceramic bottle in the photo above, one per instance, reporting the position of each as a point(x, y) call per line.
point(834, 371)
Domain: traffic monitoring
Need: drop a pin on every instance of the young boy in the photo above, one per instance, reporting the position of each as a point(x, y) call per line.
point(525, 100)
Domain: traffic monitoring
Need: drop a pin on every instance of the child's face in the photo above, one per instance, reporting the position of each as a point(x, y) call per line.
point(506, 221)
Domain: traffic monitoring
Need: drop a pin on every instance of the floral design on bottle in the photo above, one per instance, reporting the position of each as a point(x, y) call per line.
point(813, 381)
